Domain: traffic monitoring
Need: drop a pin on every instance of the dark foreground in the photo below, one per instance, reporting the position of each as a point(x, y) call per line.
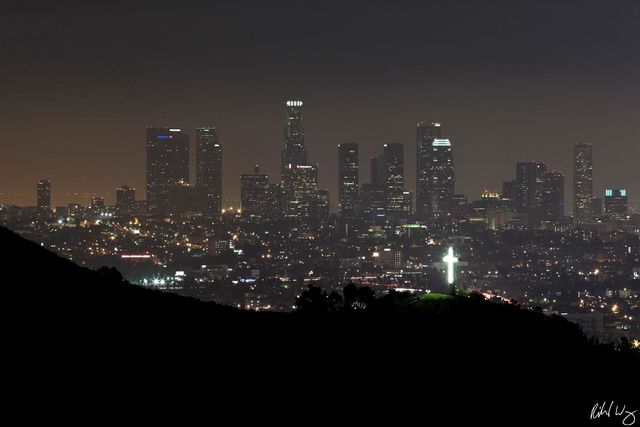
point(84, 345)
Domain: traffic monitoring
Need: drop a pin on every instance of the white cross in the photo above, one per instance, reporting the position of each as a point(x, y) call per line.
point(450, 260)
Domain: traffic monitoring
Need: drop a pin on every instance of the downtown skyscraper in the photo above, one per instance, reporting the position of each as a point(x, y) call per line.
point(255, 195)
point(552, 201)
point(393, 168)
point(294, 152)
point(583, 182)
point(43, 196)
point(435, 177)
point(167, 165)
point(209, 170)
point(529, 182)
point(426, 133)
point(348, 180)
point(299, 178)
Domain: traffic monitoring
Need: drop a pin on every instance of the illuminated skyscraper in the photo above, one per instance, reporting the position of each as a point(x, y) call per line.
point(553, 196)
point(393, 161)
point(441, 182)
point(209, 170)
point(167, 164)
point(294, 152)
point(616, 203)
point(301, 194)
point(44, 194)
point(426, 133)
point(299, 179)
point(347, 177)
point(125, 200)
point(582, 182)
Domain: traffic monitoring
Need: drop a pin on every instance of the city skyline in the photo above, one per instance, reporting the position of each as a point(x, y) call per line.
point(192, 168)
point(527, 88)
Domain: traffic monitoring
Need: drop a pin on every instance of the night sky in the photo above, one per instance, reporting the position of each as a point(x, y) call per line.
point(509, 80)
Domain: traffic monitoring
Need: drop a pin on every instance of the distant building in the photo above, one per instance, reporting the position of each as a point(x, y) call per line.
point(371, 201)
point(209, 170)
point(97, 203)
point(553, 196)
point(582, 182)
point(167, 164)
point(301, 193)
point(407, 203)
point(393, 164)
point(184, 198)
point(459, 206)
point(441, 178)
point(426, 134)
point(598, 207)
point(254, 195)
point(529, 178)
point(348, 180)
point(322, 205)
point(510, 192)
point(125, 200)
point(294, 152)
point(615, 203)
point(43, 196)
point(377, 172)
point(299, 179)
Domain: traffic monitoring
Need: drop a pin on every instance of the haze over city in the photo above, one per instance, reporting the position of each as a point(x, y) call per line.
point(508, 83)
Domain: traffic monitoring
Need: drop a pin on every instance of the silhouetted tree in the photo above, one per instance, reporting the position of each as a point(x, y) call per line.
point(350, 293)
point(111, 274)
point(313, 300)
point(366, 297)
point(335, 301)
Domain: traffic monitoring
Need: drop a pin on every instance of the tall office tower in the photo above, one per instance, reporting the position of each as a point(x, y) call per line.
point(553, 196)
point(441, 182)
point(377, 172)
point(371, 201)
point(294, 152)
point(348, 181)
point(426, 134)
point(254, 195)
point(616, 203)
point(299, 179)
point(301, 194)
point(209, 170)
point(393, 160)
point(167, 164)
point(530, 176)
point(582, 182)
point(125, 200)
point(43, 196)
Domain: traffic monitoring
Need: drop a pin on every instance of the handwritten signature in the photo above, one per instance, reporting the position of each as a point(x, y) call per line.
point(614, 410)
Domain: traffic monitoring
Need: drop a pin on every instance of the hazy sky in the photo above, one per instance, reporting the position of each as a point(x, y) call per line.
point(509, 80)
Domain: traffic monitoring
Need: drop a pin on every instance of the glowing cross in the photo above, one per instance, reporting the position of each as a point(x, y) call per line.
point(450, 260)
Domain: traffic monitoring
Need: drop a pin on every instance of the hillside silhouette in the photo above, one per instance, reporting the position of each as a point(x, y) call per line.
point(401, 356)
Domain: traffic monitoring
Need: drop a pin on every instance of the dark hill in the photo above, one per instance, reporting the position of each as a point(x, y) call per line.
point(456, 357)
